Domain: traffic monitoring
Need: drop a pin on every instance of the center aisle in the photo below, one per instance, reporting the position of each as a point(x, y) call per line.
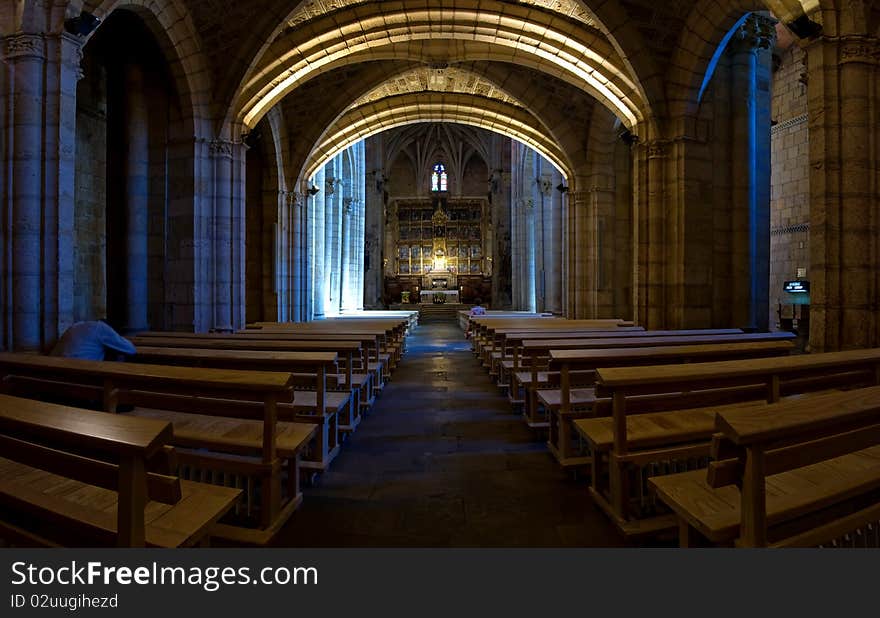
point(441, 461)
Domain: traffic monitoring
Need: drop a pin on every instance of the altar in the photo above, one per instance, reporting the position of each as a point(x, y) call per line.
point(426, 297)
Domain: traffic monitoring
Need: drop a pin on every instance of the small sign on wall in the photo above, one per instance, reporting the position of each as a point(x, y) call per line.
point(797, 292)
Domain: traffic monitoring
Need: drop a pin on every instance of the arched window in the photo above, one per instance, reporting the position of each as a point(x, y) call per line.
point(438, 178)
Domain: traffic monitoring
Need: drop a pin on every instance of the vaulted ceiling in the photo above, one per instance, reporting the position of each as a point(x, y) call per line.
point(543, 63)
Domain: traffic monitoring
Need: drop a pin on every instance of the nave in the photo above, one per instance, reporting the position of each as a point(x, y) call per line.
point(442, 461)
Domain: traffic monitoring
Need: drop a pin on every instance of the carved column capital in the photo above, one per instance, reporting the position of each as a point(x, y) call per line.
point(757, 32)
point(20, 46)
point(860, 50)
point(220, 148)
point(657, 149)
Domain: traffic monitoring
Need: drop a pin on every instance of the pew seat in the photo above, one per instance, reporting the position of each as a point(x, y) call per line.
point(75, 477)
point(88, 513)
point(793, 473)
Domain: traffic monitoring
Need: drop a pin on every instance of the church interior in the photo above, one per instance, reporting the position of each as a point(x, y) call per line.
point(525, 273)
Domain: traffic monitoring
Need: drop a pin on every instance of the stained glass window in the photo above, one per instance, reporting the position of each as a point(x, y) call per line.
point(438, 178)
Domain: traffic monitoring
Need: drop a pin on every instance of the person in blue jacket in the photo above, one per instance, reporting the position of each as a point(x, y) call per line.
point(92, 340)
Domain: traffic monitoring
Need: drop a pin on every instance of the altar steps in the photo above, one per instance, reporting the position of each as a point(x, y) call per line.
point(440, 313)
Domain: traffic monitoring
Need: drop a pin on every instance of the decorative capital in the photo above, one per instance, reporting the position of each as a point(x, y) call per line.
point(20, 46)
point(546, 185)
point(331, 184)
point(757, 32)
point(220, 148)
point(658, 149)
point(527, 203)
point(859, 49)
point(293, 199)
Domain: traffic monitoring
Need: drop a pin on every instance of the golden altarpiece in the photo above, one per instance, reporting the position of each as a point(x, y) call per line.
point(440, 249)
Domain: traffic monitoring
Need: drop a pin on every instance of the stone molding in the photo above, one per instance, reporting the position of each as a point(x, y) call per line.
point(787, 124)
point(790, 229)
point(24, 46)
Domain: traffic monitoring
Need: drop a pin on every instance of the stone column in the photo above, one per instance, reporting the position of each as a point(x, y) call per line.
point(63, 71)
point(555, 283)
point(844, 211)
point(580, 245)
point(299, 257)
point(221, 235)
point(318, 287)
point(347, 279)
point(136, 170)
point(25, 57)
point(651, 268)
point(750, 68)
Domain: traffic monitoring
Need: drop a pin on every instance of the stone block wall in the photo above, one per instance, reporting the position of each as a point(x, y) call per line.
point(790, 186)
point(90, 205)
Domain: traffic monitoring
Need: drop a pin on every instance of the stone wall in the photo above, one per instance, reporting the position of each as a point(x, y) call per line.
point(790, 187)
point(90, 204)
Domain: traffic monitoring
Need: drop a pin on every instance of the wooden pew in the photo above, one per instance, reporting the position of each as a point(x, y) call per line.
point(464, 316)
point(534, 350)
point(362, 377)
point(390, 332)
point(568, 403)
point(70, 476)
point(503, 345)
point(514, 340)
point(309, 370)
point(788, 474)
point(484, 328)
point(225, 421)
point(659, 414)
point(347, 352)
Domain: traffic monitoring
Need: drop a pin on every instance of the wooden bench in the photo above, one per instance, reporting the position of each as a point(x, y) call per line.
point(503, 351)
point(357, 385)
point(390, 334)
point(576, 398)
point(312, 401)
point(535, 350)
point(514, 361)
point(789, 474)
point(70, 476)
point(483, 328)
point(233, 436)
point(370, 347)
point(658, 414)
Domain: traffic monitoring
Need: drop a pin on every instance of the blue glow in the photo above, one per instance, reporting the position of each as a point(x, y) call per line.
point(710, 70)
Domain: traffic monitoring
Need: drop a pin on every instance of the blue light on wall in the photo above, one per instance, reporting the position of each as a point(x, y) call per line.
point(713, 63)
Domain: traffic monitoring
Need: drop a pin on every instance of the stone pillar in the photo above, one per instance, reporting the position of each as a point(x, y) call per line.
point(499, 191)
point(580, 247)
point(221, 235)
point(555, 284)
point(750, 69)
point(651, 276)
point(844, 200)
point(136, 171)
point(63, 71)
point(316, 229)
point(347, 282)
point(332, 245)
point(530, 274)
point(299, 257)
point(25, 57)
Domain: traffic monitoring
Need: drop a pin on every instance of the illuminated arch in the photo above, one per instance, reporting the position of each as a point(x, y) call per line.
point(362, 122)
point(584, 58)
